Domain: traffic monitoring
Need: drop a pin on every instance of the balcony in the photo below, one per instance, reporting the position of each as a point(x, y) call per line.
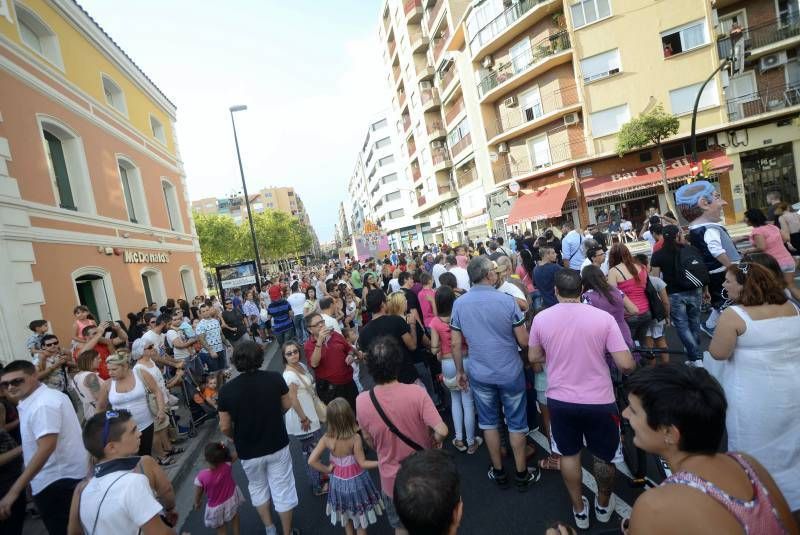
point(514, 121)
point(396, 74)
point(463, 144)
point(444, 190)
point(441, 159)
point(430, 99)
point(433, 14)
point(419, 42)
point(424, 71)
point(421, 200)
point(492, 29)
point(507, 169)
point(766, 101)
point(392, 48)
point(412, 148)
point(438, 45)
point(446, 79)
point(413, 10)
point(436, 130)
point(466, 175)
point(416, 174)
point(452, 112)
point(402, 100)
point(765, 38)
point(525, 62)
point(406, 122)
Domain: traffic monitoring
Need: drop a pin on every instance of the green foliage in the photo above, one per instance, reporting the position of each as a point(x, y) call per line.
point(649, 128)
point(220, 239)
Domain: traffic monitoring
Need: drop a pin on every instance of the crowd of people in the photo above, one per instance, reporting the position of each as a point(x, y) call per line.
point(387, 362)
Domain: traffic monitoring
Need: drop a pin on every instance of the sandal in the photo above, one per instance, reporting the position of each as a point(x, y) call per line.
point(175, 451)
point(168, 461)
point(475, 445)
point(322, 491)
point(459, 445)
point(551, 462)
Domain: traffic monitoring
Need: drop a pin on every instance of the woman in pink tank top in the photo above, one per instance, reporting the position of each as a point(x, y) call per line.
point(678, 413)
point(630, 277)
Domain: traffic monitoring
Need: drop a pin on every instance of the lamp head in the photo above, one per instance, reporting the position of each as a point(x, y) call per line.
point(240, 107)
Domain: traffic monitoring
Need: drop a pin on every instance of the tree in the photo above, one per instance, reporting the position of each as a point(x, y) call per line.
point(221, 240)
point(279, 235)
point(650, 128)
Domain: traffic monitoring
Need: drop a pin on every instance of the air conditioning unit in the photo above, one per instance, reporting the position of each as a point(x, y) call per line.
point(571, 118)
point(502, 148)
point(425, 85)
point(510, 102)
point(773, 60)
point(437, 144)
point(488, 62)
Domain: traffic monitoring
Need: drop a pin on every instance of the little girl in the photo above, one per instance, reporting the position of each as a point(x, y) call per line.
point(224, 496)
point(353, 500)
point(82, 320)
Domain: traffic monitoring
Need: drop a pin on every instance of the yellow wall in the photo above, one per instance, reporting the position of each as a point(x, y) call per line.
point(83, 65)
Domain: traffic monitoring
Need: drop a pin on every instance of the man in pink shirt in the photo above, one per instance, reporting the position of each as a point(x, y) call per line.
point(572, 339)
point(408, 409)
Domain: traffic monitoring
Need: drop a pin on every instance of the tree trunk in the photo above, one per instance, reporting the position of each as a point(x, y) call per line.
point(663, 166)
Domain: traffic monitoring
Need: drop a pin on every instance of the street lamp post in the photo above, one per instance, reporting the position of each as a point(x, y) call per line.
point(246, 196)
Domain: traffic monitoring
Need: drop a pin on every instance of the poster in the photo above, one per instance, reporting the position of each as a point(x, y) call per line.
point(371, 245)
point(236, 275)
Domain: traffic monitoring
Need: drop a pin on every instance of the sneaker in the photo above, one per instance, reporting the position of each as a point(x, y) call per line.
point(603, 514)
point(706, 330)
point(475, 445)
point(695, 363)
point(500, 478)
point(531, 477)
point(582, 517)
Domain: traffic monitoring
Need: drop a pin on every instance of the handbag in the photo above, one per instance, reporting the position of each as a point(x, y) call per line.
point(319, 406)
point(152, 404)
point(654, 301)
point(410, 443)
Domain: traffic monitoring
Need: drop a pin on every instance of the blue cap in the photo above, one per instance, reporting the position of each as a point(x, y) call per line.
point(691, 193)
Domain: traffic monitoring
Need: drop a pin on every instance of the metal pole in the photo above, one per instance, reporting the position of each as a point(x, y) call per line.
point(247, 202)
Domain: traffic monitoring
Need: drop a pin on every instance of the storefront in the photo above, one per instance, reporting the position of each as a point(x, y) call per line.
point(542, 208)
point(766, 170)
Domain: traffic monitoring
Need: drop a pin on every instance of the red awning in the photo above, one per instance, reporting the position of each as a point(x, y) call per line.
point(645, 177)
point(543, 203)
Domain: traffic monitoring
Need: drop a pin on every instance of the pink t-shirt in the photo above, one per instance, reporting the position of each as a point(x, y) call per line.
point(425, 305)
point(773, 244)
point(217, 483)
point(575, 338)
point(411, 410)
point(445, 337)
point(525, 277)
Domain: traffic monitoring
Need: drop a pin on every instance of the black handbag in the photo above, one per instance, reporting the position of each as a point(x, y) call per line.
point(657, 309)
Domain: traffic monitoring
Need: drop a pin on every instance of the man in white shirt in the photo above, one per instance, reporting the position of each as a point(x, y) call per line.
point(437, 270)
point(210, 330)
point(181, 346)
point(326, 307)
point(297, 300)
point(461, 275)
point(118, 498)
point(55, 460)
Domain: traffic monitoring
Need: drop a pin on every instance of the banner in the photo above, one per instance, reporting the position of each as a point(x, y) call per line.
point(236, 275)
point(371, 245)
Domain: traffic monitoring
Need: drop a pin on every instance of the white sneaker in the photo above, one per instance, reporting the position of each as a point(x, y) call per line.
point(695, 363)
point(604, 514)
point(582, 517)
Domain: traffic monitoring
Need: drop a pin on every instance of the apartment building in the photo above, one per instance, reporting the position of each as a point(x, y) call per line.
point(93, 202)
point(532, 94)
point(358, 198)
point(343, 234)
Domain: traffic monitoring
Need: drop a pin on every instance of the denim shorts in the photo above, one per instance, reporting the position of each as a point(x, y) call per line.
point(511, 397)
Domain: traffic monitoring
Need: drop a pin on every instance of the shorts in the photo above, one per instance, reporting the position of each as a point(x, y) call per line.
point(656, 329)
point(540, 385)
point(511, 396)
point(572, 423)
point(271, 477)
point(391, 512)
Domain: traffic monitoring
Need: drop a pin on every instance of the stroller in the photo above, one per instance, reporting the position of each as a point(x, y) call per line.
point(191, 392)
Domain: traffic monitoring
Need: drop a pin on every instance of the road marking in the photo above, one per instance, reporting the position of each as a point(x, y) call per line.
point(621, 507)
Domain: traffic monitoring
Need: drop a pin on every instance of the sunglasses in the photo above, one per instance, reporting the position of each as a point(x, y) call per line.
point(107, 425)
point(292, 352)
point(50, 344)
point(13, 382)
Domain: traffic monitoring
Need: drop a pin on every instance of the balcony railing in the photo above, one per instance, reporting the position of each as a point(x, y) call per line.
point(462, 145)
point(411, 5)
point(434, 127)
point(438, 45)
point(434, 14)
point(416, 174)
point(506, 169)
point(764, 34)
point(447, 77)
point(770, 99)
point(523, 61)
point(428, 95)
point(527, 112)
point(466, 175)
point(454, 110)
point(440, 156)
point(494, 27)
point(444, 190)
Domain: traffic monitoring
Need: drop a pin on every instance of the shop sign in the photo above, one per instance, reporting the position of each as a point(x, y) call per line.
point(650, 169)
point(140, 257)
point(477, 221)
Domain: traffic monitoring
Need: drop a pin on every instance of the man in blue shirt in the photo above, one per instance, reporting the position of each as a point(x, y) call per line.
point(544, 275)
point(280, 311)
point(572, 246)
point(494, 328)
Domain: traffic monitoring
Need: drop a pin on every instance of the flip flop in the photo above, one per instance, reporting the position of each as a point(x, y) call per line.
point(168, 462)
point(176, 451)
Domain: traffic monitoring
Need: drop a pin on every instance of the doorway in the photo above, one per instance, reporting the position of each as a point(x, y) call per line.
point(769, 169)
point(93, 294)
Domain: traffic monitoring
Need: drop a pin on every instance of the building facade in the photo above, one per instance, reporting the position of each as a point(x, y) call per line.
point(510, 110)
point(93, 202)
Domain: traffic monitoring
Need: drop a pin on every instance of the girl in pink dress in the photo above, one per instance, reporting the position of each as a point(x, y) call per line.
point(224, 496)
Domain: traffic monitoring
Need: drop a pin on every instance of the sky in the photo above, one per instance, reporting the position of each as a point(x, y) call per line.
point(308, 70)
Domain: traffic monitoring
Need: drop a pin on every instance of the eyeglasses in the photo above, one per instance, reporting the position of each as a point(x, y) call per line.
point(50, 344)
point(107, 425)
point(293, 352)
point(315, 325)
point(13, 382)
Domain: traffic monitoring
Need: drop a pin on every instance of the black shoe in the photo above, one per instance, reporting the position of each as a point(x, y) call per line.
point(498, 477)
point(530, 477)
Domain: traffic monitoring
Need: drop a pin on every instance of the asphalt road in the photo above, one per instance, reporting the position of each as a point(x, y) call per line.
point(487, 509)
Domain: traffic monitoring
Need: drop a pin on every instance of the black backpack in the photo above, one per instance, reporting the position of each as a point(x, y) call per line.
point(691, 269)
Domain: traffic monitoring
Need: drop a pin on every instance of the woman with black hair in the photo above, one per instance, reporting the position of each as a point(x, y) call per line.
point(600, 294)
point(767, 238)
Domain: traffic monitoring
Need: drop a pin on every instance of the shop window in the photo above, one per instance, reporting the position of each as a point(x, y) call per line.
point(133, 191)
point(68, 170)
point(114, 95)
point(38, 36)
point(588, 11)
point(172, 206)
point(684, 38)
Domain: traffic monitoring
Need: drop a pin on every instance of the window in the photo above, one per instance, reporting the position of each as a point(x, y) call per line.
point(67, 164)
point(684, 38)
point(588, 11)
point(609, 121)
point(380, 124)
point(458, 133)
point(521, 55)
point(382, 143)
point(153, 284)
point(392, 196)
point(682, 99)
point(187, 282)
point(539, 149)
point(158, 130)
point(385, 161)
point(396, 214)
point(600, 65)
point(530, 103)
point(171, 203)
point(38, 36)
point(389, 178)
point(133, 191)
point(114, 96)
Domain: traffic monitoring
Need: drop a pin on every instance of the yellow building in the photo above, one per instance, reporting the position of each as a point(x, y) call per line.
point(93, 201)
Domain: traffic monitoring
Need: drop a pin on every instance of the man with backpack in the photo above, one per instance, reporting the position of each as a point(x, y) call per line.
point(682, 267)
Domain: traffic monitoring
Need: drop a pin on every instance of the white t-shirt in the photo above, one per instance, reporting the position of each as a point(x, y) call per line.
point(603, 266)
point(129, 504)
point(647, 235)
point(331, 323)
point(462, 277)
point(437, 271)
point(512, 290)
point(178, 353)
point(626, 225)
point(297, 300)
point(394, 285)
point(293, 426)
point(45, 412)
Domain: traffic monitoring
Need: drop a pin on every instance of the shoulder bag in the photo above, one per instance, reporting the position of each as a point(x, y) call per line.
point(393, 428)
point(152, 403)
point(657, 309)
point(319, 406)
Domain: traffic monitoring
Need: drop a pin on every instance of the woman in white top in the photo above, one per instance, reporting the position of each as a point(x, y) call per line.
point(87, 383)
point(126, 390)
point(757, 360)
point(790, 226)
point(302, 421)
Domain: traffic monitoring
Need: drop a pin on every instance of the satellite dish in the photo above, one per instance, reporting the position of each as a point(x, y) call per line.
point(513, 188)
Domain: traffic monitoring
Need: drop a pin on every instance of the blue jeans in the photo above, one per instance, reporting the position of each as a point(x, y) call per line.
point(489, 398)
point(300, 328)
point(461, 405)
point(685, 316)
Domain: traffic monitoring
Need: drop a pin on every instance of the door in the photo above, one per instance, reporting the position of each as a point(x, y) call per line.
point(86, 294)
point(521, 55)
point(769, 169)
point(148, 293)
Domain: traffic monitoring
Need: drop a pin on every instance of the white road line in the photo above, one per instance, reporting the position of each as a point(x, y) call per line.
point(622, 508)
